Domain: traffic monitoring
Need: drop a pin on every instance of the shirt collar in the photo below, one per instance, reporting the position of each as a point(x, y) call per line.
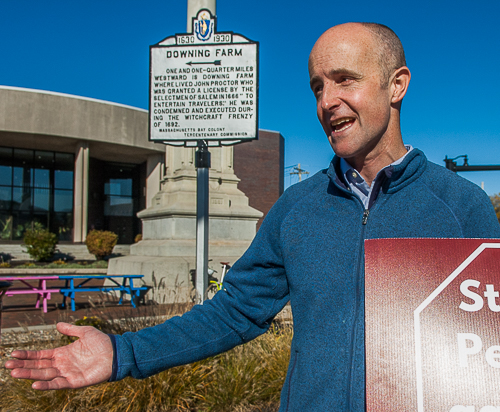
point(346, 168)
point(356, 182)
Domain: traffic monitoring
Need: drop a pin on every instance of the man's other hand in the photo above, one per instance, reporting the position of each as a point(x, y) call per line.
point(87, 361)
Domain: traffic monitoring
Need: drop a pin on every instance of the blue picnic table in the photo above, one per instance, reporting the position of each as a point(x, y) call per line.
point(125, 287)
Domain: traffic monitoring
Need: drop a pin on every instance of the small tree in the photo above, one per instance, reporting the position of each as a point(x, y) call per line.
point(40, 243)
point(101, 243)
point(495, 199)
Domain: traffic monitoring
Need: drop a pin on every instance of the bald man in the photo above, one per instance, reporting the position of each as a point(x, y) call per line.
point(309, 250)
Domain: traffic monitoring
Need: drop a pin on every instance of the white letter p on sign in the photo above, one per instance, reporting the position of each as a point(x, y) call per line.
point(464, 351)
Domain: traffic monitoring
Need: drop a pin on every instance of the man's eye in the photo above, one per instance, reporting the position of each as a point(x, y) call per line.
point(317, 90)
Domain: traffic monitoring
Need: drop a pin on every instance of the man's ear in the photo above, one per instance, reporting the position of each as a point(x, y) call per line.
point(399, 84)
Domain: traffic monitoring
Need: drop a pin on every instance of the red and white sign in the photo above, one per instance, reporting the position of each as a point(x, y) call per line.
point(433, 325)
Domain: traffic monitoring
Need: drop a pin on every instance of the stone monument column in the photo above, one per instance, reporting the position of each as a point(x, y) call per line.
point(168, 247)
point(167, 251)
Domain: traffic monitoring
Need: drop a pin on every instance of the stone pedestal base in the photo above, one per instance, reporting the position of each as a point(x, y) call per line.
point(167, 263)
point(169, 277)
point(167, 253)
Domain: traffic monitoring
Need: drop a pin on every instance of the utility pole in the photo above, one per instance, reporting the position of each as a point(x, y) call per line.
point(299, 171)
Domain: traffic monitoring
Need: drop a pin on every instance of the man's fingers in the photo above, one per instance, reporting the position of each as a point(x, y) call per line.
point(33, 354)
point(85, 362)
point(58, 383)
point(28, 364)
point(41, 386)
point(35, 374)
point(72, 330)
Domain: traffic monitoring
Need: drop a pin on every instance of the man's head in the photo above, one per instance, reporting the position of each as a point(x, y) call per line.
point(359, 78)
point(390, 52)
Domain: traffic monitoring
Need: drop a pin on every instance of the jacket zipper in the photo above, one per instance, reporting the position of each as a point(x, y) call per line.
point(354, 333)
point(364, 221)
point(365, 216)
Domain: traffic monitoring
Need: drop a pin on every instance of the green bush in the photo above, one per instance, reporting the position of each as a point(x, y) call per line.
point(40, 243)
point(99, 264)
point(101, 243)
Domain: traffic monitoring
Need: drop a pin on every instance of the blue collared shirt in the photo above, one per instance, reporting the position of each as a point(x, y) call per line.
point(359, 186)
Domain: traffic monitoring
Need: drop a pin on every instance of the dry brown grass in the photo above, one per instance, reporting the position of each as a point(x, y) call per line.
point(248, 378)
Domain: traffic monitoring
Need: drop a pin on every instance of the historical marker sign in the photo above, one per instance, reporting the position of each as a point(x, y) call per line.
point(204, 86)
point(433, 325)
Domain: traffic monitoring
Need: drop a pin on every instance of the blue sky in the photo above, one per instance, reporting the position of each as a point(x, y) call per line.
point(100, 49)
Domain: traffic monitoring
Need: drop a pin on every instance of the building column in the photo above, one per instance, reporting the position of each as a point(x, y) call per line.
point(81, 192)
point(154, 174)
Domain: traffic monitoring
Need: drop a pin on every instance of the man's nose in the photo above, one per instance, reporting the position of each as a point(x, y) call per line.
point(329, 98)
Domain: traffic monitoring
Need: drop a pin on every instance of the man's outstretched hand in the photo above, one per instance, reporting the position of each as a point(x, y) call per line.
point(87, 361)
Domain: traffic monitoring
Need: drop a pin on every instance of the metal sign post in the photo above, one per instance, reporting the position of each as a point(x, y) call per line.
point(203, 92)
point(202, 163)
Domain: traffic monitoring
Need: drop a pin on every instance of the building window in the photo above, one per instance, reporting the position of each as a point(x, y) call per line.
point(119, 197)
point(36, 190)
point(114, 198)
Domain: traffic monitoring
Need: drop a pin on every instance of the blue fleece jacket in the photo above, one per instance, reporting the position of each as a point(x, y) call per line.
point(310, 251)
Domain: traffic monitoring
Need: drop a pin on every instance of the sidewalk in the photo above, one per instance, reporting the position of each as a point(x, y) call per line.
point(19, 310)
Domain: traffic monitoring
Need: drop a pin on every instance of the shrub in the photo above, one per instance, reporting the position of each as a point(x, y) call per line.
point(495, 199)
point(101, 243)
point(40, 243)
point(4, 260)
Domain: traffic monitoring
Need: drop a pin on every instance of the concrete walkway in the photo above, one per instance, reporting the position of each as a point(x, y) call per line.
point(71, 251)
point(19, 310)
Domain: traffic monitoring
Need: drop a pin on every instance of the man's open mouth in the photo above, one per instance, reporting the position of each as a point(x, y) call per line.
point(340, 125)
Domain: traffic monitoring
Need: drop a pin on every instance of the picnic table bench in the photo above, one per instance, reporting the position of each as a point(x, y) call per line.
point(37, 284)
point(71, 288)
point(39, 288)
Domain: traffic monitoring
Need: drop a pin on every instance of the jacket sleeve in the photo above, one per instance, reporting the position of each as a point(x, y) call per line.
point(469, 204)
point(474, 211)
point(256, 290)
point(481, 220)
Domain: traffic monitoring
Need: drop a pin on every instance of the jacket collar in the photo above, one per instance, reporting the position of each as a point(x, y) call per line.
point(398, 176)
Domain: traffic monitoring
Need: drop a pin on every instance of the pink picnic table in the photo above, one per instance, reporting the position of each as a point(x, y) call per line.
point(39, 288)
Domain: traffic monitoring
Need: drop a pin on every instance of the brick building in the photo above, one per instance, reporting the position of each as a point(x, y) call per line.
point(260, 165)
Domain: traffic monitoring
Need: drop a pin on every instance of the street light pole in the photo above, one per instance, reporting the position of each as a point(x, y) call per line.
point(451, 164)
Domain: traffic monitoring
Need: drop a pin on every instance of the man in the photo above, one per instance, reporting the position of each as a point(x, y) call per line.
point(309, 250)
